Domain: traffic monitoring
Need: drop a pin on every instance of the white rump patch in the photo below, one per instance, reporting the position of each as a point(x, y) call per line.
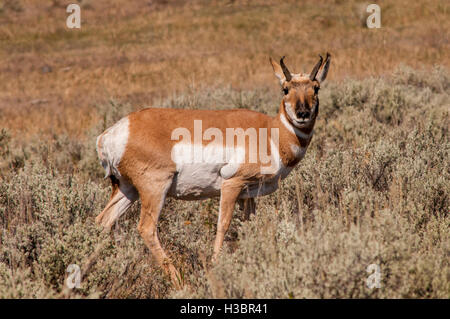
point(111, 146)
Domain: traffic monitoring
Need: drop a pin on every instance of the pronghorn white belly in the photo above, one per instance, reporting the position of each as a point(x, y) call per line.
point(199, 171)
point(196, 181)
point(204, 180)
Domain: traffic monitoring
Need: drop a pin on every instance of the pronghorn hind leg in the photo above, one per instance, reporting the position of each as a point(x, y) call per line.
point(228, 196)
point(153, 195)
point(122, 196)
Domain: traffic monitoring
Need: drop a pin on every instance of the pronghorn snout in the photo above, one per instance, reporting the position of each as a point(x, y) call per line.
point(303, 115)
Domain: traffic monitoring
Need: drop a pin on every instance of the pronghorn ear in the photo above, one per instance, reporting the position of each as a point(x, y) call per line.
point(323, 71)
point(278, 71)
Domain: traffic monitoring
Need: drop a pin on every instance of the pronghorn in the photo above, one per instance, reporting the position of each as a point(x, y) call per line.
point(141, 155)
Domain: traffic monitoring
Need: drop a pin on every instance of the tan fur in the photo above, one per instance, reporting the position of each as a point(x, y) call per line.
point(147, 167)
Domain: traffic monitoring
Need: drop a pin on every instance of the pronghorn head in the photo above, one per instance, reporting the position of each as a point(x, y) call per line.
point(301, 101)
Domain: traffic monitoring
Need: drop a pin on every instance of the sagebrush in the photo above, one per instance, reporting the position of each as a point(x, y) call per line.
point(373, 188)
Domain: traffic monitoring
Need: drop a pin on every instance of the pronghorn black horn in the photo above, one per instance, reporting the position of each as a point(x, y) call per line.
point(286, 72)
point(313, 74)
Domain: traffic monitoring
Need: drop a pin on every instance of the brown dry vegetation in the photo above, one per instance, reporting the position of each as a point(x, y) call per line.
point(373, 187)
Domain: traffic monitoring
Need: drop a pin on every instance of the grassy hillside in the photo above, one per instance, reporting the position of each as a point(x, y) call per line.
point(373, 187)
point(141, 51)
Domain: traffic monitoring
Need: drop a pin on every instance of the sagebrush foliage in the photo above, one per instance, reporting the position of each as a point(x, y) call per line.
point(373, 188)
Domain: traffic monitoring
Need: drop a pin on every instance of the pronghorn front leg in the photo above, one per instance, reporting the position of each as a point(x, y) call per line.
point(229, 193)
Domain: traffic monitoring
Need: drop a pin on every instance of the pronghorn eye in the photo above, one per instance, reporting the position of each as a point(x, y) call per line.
point(285, 91)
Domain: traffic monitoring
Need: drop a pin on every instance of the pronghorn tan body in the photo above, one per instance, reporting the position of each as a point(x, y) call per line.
point(146, 158)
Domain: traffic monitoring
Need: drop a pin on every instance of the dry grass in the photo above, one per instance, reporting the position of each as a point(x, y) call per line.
point(373, 187)
point(139, 51)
